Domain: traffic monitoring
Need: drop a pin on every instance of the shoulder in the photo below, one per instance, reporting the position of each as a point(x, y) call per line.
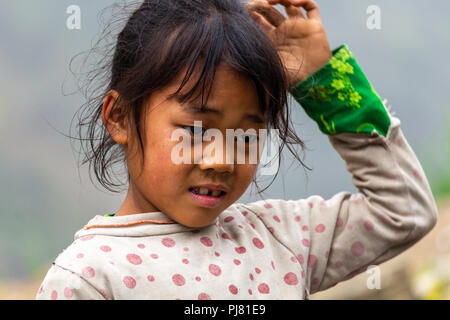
point(92, 256)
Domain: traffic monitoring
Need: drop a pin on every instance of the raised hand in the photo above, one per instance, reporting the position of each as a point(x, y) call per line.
point(300, 40)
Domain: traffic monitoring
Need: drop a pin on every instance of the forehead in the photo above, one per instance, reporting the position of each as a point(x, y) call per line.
point(229, 90)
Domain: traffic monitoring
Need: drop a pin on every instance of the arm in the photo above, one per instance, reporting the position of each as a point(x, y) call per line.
point(394, 208)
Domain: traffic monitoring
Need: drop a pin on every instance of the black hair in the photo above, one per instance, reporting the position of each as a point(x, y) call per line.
point(159, 40)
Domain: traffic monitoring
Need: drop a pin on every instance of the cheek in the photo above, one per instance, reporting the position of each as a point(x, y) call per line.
point(158, 162)
point(245, 175)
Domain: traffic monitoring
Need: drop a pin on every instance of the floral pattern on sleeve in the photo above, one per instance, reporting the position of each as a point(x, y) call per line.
point(340, 98)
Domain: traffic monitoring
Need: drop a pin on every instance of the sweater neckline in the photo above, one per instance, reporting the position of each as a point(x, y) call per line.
point(142, 224)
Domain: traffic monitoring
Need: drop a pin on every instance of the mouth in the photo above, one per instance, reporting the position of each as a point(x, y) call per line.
point(203, 191)
point(206, 197)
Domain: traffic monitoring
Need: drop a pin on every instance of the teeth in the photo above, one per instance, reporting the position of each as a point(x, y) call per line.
point(216, 193)
point(206, 191)
point(203, 191)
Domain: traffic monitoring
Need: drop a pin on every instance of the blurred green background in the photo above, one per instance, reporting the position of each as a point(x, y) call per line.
point(44, 199)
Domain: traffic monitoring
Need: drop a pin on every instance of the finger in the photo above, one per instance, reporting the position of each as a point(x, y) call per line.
point(310, 6)
point(265, 25)
point(291, 10)
point(267, 11)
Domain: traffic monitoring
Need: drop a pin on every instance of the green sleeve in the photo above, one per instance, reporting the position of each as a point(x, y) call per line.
point(340, 99)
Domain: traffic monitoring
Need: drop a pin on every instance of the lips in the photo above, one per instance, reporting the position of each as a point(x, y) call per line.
point(206, 200)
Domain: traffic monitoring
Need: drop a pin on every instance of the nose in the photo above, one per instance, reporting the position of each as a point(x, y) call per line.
point(215, 158)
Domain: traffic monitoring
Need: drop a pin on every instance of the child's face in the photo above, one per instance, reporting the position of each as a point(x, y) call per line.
point(164, 185)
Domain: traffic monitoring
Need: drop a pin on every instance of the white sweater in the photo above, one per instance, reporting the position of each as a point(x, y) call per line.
point(272, 249)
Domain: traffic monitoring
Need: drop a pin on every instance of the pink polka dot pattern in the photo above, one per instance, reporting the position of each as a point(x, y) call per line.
point(215, 270)
point(312, 261)
point(54, 295)
point(134, 259)
point(178, 280)
point(105, 248)
point(233, 289)
point(264, 288)
point(258, 243)
point(320, 228)
point(168, 242)
point(105, 294)
point(240, 250)
point(226, 236)
point(357, 249)
point(204, 296)
point(290, 279)
point(237, 253)
point(129, 282)
point(206, 241)
point(68, 293)
point(305, 242)
point(88, 272)
point(87, 238)
point(368, 225)
point(356, 199)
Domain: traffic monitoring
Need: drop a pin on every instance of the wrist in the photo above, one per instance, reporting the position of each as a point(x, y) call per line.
point(302, 73)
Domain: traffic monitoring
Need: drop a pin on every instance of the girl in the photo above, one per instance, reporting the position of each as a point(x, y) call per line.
point(179, 233)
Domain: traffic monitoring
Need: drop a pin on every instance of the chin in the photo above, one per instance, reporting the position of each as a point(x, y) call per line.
point(197, 224)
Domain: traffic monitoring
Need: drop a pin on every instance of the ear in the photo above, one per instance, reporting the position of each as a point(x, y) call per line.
point(114, 119)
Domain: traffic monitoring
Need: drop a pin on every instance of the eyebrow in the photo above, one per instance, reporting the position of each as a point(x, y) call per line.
point(197, 109)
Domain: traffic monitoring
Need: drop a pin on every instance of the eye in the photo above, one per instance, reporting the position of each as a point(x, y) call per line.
point(193, 130)
point(248, 139)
